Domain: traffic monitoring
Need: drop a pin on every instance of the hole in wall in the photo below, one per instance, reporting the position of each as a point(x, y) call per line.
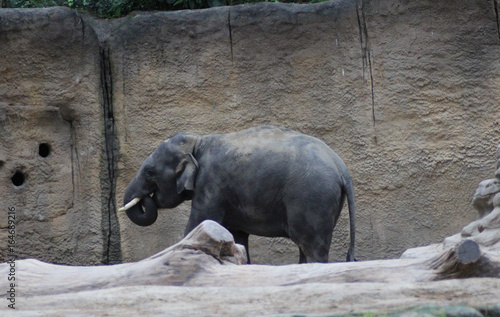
point(44, 149)
point(18, 179)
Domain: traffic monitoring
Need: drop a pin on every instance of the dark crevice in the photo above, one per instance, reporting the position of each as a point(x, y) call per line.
point(110, 225)
point(371, 86)
point(366, 54)
point(74, 156)
point(495, 5)
point(360, 28)
point(83, 29)
point(230, 32)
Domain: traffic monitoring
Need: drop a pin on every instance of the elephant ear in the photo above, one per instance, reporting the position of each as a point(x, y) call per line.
point(186, 173)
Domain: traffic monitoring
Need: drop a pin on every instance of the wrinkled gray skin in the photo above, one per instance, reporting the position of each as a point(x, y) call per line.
point(266, 181)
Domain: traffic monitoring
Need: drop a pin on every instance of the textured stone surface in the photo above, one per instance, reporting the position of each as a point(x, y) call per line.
point(49, 93)
point(485, 231)
point(406, 93)
point(426, 71)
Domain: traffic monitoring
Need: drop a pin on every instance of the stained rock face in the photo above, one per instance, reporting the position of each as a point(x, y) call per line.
point(481, 236)
point(51, 140)
point(485, 230)
point(405, 92)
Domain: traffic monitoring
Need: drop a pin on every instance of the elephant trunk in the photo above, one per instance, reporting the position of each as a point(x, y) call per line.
point(136, 213)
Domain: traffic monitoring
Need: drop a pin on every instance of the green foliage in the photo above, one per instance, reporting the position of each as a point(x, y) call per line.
point(101, 8)
point(31, 3)
point(118, 8)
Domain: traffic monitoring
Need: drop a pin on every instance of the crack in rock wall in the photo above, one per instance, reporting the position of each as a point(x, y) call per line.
point(110, 224)
point(406, 93)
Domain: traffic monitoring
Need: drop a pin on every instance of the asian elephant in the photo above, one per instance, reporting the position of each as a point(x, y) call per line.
point(266, 181)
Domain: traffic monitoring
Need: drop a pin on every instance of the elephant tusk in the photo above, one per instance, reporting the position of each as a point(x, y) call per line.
point(132, 203)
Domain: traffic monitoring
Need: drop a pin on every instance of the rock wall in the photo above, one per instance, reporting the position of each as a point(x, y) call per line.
point(51, 136)
point(406, 92)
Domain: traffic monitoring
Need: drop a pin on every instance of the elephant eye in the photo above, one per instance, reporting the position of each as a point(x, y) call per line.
point(149, 174)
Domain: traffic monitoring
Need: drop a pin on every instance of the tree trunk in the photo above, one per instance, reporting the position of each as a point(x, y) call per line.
point(208, 256)
point(210, 267)
point(465, 260)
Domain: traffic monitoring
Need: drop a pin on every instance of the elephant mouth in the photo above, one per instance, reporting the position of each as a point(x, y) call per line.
point(159, 200)
point(135, 201)
point(142, 211)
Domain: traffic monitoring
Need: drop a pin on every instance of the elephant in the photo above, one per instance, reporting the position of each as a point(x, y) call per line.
point(266, 181)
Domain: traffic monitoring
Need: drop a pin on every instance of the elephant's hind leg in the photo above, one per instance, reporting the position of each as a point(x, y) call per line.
point(316, 253)
point(312, 237)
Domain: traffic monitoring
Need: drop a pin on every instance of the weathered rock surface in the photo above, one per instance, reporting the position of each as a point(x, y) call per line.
point(411, 106)
point(484, 232)
point(49, 94)
point(406, 92)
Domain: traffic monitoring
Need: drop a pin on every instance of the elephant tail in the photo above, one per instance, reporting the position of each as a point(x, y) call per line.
point(349, 190)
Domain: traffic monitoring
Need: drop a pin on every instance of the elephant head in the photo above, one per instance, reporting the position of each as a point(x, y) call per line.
point(166, 179)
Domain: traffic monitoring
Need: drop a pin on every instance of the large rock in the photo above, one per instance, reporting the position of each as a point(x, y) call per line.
point(406, 92)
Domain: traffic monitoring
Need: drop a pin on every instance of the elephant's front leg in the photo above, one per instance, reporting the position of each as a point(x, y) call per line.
point(241, 237)
point(202, 213)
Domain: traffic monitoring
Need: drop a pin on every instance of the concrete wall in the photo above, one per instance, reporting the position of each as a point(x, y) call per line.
point(406, 92)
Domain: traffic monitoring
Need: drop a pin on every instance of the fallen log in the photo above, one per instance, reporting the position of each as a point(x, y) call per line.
point(206, 246)
point(215, 281)
point(465, 260)
point(209, 257)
